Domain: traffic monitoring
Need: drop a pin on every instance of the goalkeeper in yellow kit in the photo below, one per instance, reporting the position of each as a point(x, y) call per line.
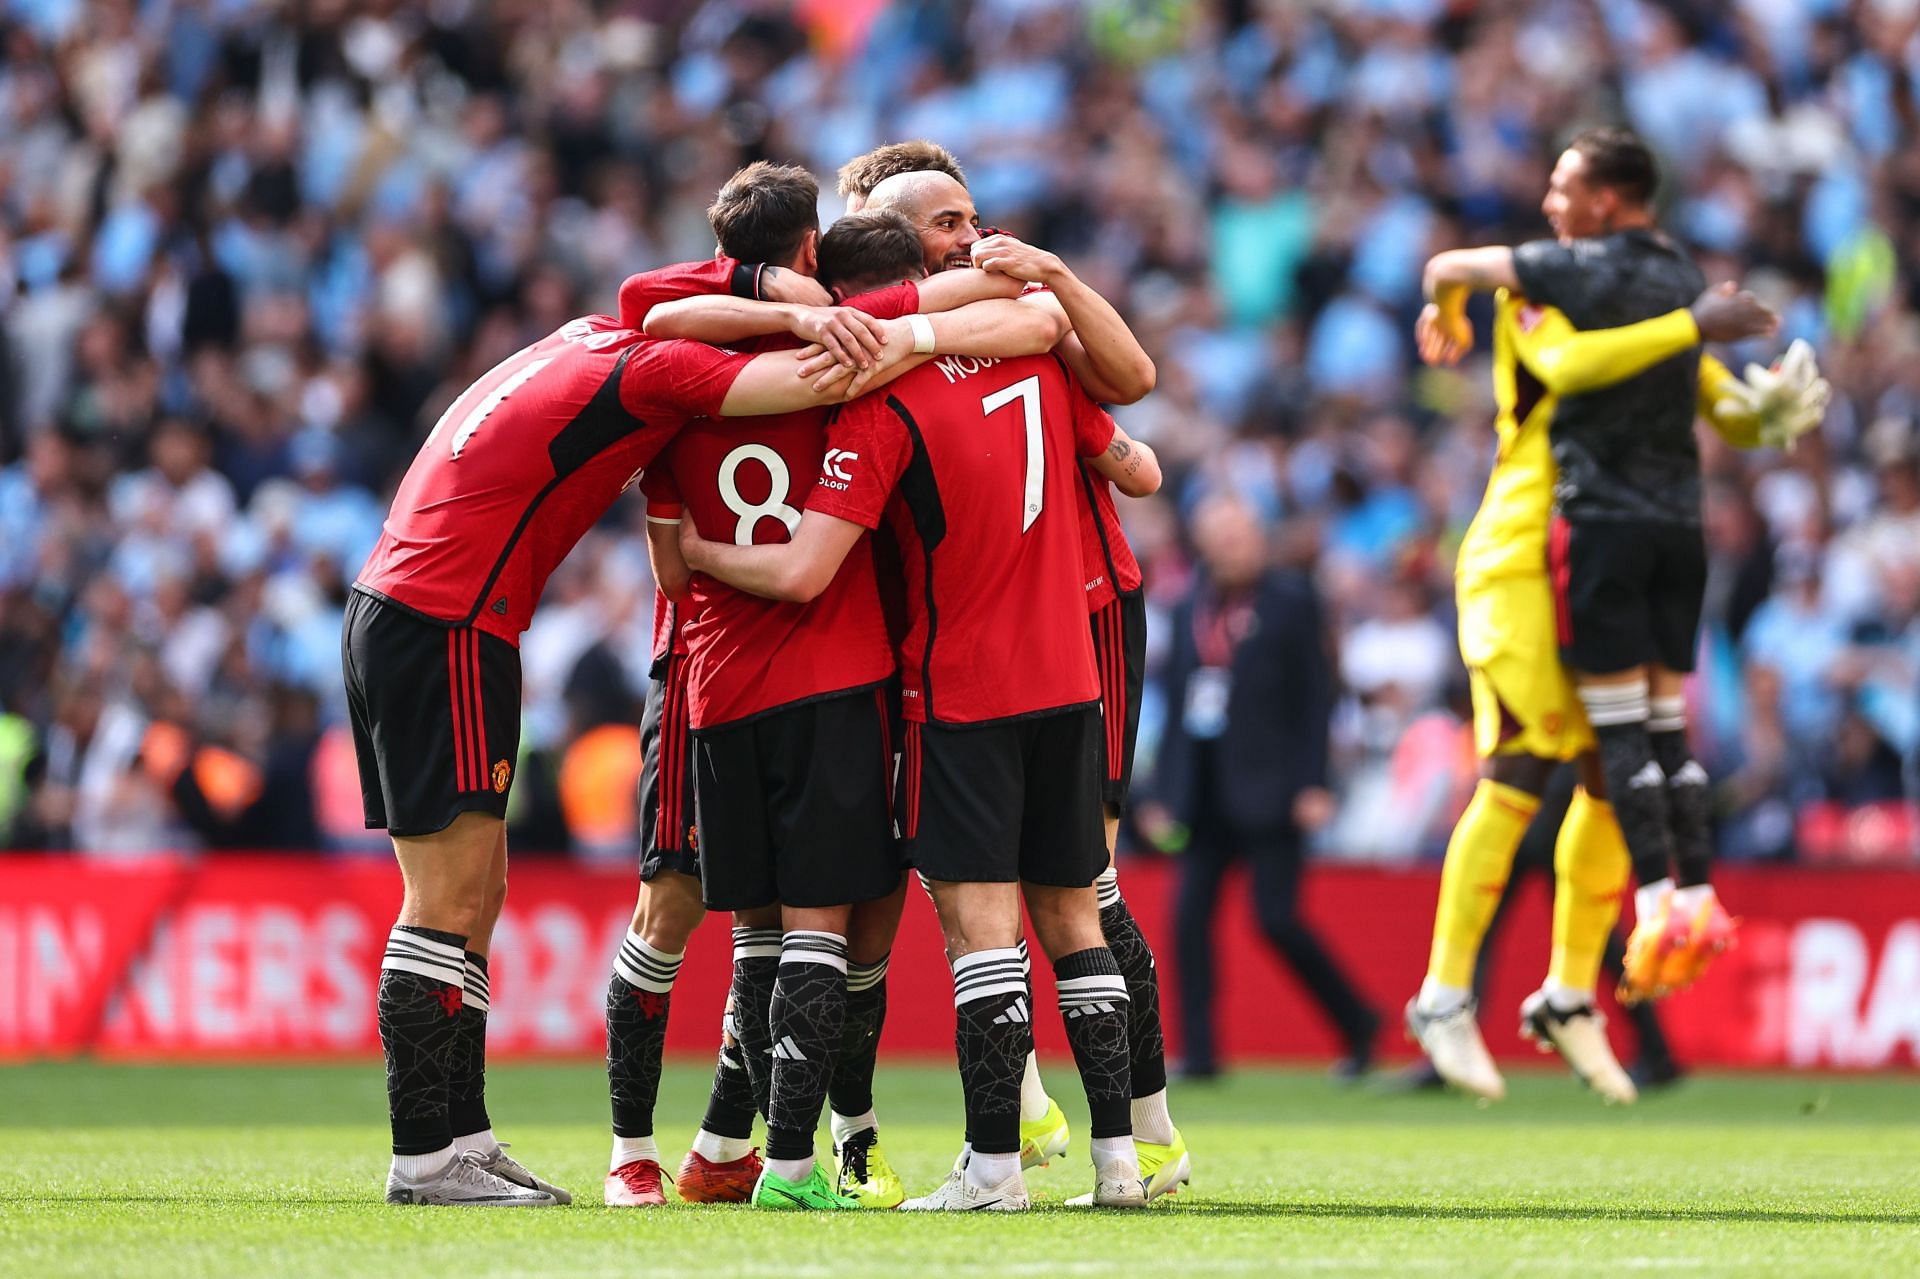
point(1527, 717)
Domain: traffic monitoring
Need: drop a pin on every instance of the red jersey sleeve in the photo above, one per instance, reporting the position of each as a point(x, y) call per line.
point(679, 378)
point(639, 294)
point(662, 493)
point(889, 303)
point(867, 453)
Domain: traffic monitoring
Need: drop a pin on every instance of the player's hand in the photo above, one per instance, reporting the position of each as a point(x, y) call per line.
point(779, 284)
point(849, 335)
point(1313, 808)
point(1725, 313)
point(1008, 256)
point(1443, 338)
point(1157, 827)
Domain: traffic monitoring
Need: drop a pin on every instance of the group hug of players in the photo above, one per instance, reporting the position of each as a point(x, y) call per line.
point(899, 628)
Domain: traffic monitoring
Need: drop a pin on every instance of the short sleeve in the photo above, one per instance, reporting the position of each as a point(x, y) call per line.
point(889, 303)
point(658, 486)
point(1093, 426)
point(639, 294)
point(1554, 274)
point(679, 378)
point(867, 453)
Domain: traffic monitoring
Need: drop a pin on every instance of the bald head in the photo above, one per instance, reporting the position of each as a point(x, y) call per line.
point(941, 212)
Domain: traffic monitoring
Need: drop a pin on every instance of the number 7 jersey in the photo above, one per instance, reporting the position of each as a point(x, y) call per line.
point(973, 462)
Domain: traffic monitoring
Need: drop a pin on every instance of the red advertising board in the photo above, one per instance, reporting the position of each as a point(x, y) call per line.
point(259, 956)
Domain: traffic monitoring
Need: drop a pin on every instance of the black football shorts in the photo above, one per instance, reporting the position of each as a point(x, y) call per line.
point(1626, 594)
point(794, 805)
point(1120, 653)
point(435, 711)
point(1006, 800)
point(668, 839)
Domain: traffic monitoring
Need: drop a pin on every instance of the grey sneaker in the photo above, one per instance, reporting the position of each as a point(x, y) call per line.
point(465, 1183)
point(502, 1164)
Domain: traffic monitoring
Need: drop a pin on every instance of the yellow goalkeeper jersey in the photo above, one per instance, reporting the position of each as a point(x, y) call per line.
point(1538, 356)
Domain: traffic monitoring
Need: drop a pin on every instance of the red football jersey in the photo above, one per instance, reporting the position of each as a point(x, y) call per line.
point(641, 293)
point(745, 480)
point(669, 636)
point(1111, 568)
point(526, 460)
point(973, 464)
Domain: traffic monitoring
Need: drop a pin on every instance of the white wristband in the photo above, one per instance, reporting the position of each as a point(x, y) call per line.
point(922, 334)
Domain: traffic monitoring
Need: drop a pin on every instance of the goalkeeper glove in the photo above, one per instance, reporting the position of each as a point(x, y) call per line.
point(1780, 404)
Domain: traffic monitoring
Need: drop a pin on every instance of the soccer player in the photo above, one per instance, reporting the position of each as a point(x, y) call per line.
point(1111, 364)
point(971, 464)
point(1526, 719)
point(510, 478)
point(860, 175)
point(765, 215)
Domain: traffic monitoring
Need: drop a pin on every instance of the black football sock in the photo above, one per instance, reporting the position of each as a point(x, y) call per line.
point(730, 1102)
point(1636, 783)
point(422, 985)
point(1689, 797)
point(756, 963)
point(993, 1033)
point(808, 1015)
point(467, 1064)
point(851, 1091)
point(1146, 1042)
point(1093, 1002)
point(638, 996)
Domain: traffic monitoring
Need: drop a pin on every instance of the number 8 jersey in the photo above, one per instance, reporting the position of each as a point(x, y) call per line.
point(746, 480)
point(973, 462)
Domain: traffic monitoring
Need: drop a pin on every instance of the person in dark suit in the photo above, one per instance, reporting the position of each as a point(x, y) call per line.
point(1242, 771)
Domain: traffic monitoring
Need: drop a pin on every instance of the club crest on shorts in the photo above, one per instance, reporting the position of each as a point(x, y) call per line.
point(502, 774)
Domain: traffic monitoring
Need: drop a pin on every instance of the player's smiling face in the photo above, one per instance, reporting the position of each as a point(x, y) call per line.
point(948, 228)
point(1574, 208)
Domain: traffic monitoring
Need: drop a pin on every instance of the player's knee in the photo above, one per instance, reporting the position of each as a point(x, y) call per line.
point(668, 911)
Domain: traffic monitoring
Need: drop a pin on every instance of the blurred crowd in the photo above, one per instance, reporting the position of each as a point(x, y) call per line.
point(250, 250)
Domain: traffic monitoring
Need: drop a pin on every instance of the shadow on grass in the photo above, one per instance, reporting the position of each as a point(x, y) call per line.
point(1192, 1208)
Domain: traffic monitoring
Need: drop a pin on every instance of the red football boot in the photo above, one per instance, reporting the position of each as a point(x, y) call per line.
point(702, 1181)
point(635, 1185)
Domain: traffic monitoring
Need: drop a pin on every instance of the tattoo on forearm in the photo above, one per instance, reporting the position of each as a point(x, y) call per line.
point(1119, 449)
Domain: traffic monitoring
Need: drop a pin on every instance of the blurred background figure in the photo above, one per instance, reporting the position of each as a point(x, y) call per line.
point(1242, 770)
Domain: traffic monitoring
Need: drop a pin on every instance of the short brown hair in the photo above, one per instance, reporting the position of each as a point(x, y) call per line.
point(764, 211)
point(860, 175)
point(868, 250)
point(1617, 159)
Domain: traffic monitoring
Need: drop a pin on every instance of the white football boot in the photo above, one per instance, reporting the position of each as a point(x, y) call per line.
point(502, 1164)
point(1453, 1044)
point(465, 1183)
point(957, 1194)
point(1580, 1037)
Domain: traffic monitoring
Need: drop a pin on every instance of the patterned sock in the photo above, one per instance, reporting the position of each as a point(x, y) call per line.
point(993, 1033)
point(467, 1064)
point(730, 1102)
point(851, 1091)
point(1689, 799)
point(1636, 783)
point(1146, 1042)
point(422, 985)
point(1093, 1002)
point(756, 963)
point(638, 996)
point(809, 1013)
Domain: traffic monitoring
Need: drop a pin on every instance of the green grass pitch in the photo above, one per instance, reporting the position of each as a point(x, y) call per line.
point(278, 1171)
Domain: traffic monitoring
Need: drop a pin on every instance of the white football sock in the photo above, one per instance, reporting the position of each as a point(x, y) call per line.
point(714, 1148)
point(1033, 1094)
point(1564, 999)
point(988, 1171)
point(1688, 902)
point(420, 1167)
point(791, 1169)
point(1438, 999)
point(628, 1149)
point(1646, 898)
point(1108, 1151)
point(1151, 1122)
point(482, 1141)
point(845, 1126)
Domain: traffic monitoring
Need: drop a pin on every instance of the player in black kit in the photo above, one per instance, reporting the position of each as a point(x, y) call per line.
point(1626, 555)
